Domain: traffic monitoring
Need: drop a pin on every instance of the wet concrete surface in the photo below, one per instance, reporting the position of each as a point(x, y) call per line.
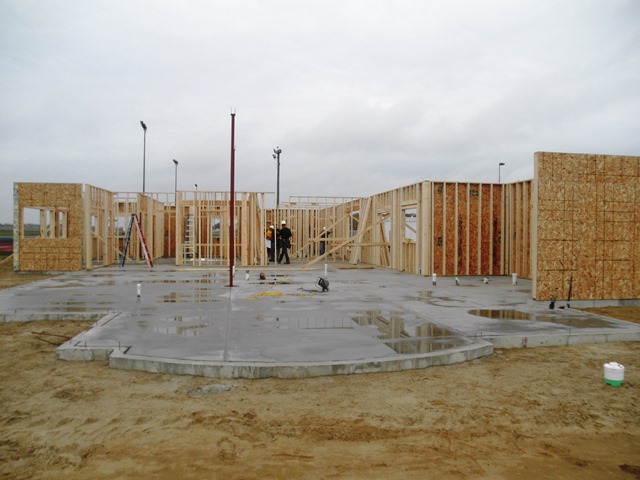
point(368, 318)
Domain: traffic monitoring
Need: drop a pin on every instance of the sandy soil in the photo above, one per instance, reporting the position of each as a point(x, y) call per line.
point(519, 414)
point(8, 278)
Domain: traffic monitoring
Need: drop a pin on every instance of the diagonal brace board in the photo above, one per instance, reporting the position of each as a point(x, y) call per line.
point(346, 242)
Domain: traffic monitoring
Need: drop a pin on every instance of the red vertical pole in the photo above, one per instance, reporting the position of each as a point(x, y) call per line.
point(232, 203)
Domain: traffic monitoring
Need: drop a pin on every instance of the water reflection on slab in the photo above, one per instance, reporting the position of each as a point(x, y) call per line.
point(405, 333)
point(576, 320)
point(180, 326)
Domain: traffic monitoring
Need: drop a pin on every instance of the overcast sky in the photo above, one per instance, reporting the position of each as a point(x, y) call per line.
point(361, 96)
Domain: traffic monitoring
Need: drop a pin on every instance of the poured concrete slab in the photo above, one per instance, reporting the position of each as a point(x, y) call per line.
point(189, 321)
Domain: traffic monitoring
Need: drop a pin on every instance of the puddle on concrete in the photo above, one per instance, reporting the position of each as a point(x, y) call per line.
point(399, 324)
point(189, 280)
point(180, 326)
point(191, 331)
point(428, 298)
point(90, 283)
point(190, 297)
point(389, 326)
point(577, 321)
point(311, 323)
point(423, 337)
point(60, 309)
point(66, 285)
point(72, 304)
point(426, 345)
point(93, 295)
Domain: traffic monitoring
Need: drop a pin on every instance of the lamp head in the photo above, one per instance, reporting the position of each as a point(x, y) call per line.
point(175, 161)
point(144, 127)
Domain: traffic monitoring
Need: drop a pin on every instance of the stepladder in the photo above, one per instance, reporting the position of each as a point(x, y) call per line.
point(143, 243)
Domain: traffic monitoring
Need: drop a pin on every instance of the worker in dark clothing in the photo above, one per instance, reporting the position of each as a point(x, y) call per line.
point(284, 240)
point(325, 234)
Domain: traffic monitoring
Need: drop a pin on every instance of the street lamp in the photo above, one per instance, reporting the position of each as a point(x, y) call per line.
point(175, 190)
point(195, 234)
point(276, 155)
point(144, 153)
point(500, 165)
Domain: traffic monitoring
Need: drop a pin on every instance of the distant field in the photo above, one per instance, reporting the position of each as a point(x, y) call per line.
point(8, 232)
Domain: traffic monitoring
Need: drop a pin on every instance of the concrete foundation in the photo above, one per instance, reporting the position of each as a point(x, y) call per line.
point(188, 321)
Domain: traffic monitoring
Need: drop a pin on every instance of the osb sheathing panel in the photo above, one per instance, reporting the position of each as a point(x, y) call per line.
point(587, 226)
point(496, 226)
point(52, 254)
point(526, 238)
point(485, 229)
point(462, 229)
point(450, 228)
point(438, 227)
point(467, 229)
point(474, 220)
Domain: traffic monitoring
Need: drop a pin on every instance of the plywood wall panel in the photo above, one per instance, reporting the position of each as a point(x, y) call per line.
point(496, 230)
point(450, 229)
point(438, 227)
point(45, 254)
point(595, 195)
point(462, 230)
point(485, 229)
point(474, 230)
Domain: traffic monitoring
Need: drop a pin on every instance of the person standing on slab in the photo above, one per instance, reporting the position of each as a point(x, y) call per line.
point(323, 236)
point(271, 240)
point(285, 242)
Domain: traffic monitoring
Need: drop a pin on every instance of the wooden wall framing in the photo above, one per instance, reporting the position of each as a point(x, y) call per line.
point(576, 223)
point(99, 243)
point(202, 228)
point(151, 209)
point(447, 228)
point(82, 227)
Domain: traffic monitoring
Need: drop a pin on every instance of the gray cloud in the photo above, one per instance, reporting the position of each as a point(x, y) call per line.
point(361, 96)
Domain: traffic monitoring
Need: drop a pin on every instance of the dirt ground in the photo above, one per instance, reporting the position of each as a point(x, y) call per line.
point(8, 278)
point(519, 414)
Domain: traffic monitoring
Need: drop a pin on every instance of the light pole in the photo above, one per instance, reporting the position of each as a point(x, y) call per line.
point(232, 203)
point(276, 155)
point(175, 190)
point(500, 165)
point(144, 153)
point(195, 234)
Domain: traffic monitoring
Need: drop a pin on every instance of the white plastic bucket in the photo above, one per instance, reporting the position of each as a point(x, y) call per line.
point(613, 374)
